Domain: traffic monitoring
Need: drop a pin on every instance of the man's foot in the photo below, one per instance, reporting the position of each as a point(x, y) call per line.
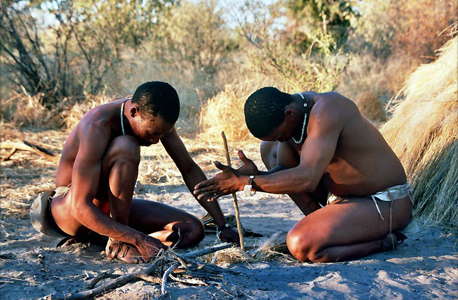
point(392, 240)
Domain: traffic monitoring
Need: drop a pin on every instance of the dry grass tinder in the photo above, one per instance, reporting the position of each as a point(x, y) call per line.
point(423, 132)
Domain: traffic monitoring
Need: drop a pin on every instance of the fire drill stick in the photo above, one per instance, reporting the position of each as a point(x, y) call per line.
point(234, 196)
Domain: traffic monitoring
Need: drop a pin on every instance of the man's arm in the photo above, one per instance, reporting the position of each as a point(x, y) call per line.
point(191, 172)
point(85, 180)
point(316, 154)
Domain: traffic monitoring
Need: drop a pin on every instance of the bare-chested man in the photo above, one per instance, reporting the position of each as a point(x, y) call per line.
point(97, 173)
point(316, 144)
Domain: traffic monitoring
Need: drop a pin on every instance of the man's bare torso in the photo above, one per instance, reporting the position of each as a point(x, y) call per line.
point(107, 115)
point(363, 162)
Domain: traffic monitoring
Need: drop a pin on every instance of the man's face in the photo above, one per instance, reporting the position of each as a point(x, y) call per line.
point(282, 133)
point(149, 128)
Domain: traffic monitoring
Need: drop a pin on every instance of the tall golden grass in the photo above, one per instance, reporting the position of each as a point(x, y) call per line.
point(224, 112)
point(73, 114)
point(24, 110)
point(423, 132)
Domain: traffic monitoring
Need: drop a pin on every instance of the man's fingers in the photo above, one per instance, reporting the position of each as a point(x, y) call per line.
point(205, 195)
point(220, 165)
point(215, 197)
point(203, 184)
point(243, 157)
point(115, 250)
point(209, 188)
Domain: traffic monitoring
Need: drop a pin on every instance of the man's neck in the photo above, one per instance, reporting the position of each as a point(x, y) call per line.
point(303, 106)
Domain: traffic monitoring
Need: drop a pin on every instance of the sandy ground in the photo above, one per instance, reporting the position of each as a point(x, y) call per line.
point(424, 267)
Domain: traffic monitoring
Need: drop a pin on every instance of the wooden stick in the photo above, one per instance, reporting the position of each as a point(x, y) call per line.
point(234, 196)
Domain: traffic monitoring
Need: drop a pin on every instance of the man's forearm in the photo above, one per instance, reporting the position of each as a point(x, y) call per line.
point(286, 181)
point(271, 171)
point(193, 177)
point(92, 218)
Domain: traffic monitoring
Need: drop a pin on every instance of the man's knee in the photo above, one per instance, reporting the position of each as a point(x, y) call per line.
point(268, 155)
point(305, 246)
point(191, 232)
point(125, 148)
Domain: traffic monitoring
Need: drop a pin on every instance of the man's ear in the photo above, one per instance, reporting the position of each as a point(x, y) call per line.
point(290, 113)
point(133, 111)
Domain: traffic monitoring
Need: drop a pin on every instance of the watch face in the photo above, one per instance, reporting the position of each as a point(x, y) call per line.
point(247, 189)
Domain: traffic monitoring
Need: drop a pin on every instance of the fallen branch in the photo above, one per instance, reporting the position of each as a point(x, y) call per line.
point(27, 146)
point(234, 197)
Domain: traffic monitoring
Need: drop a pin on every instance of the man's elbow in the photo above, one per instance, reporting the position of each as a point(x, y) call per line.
point(306, 185)
point(78, 210)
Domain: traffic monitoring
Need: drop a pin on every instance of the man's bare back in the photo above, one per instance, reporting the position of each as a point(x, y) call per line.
point(337, 151)
point(362, 163)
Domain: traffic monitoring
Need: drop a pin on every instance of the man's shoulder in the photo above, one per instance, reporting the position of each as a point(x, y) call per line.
point(332, 110)
point(334, 104)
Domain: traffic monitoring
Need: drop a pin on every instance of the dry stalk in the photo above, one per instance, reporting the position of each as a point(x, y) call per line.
point(234, 196)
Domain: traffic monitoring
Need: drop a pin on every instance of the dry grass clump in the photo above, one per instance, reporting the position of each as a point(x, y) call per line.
point(73, 115)
point(371, 82)
point(423, 132)
point(272, 248)
point(224, 112)
point(27, 111)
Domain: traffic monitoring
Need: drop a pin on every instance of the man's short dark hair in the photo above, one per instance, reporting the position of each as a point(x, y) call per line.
point(265, 110)
point(158, 98)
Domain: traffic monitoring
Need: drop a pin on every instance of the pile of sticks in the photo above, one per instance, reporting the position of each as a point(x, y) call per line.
point(167, 265)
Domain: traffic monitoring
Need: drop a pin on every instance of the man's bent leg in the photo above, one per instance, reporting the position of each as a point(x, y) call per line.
point(120, 169)
point(346, 230)
point(170, 225)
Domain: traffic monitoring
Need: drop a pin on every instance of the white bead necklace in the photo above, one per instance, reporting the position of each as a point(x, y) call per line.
point(121, 113)
point(303, 124)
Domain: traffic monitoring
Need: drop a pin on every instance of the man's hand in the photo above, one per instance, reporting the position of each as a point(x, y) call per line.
point(228, 234)
point(225, 182)
point(149, 247)
point(122, 251)
point(248, 167)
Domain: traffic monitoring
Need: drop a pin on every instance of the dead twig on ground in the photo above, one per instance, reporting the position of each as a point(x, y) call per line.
point(27, 146)
point(165, 276)
point(234, 197)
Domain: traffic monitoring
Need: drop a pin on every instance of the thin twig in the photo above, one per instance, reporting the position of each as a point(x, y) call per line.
point(234, 196)
point(149, 278)
point(121, 280)
point(189, 281)
point(165, 276)
point(10, 154)
point(207, 250)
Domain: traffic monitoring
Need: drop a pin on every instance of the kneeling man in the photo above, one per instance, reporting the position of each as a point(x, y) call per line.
point(315, 145)
point(97, 173)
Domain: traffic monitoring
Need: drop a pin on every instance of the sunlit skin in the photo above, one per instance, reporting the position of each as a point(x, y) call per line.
point(343, 154)
point(101, 166)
